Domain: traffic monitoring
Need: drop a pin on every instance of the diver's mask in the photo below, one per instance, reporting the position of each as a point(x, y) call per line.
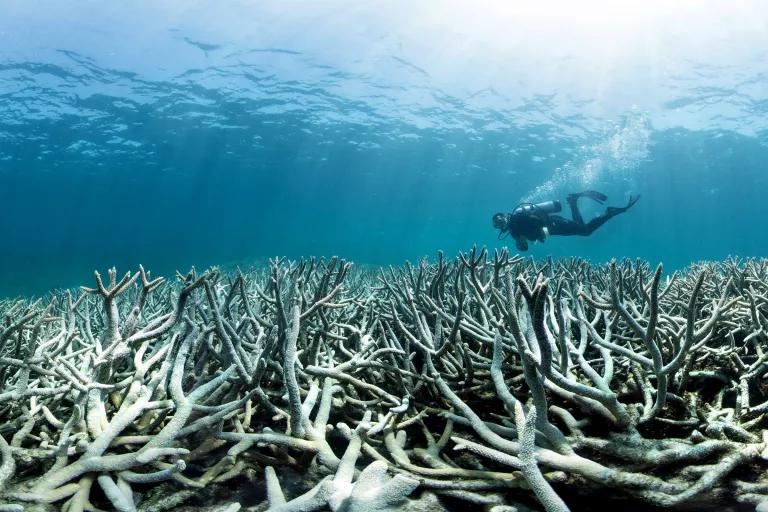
point(501, 222)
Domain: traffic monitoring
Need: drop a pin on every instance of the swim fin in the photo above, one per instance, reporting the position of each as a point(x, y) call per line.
point(592, 194)
point(613, 210)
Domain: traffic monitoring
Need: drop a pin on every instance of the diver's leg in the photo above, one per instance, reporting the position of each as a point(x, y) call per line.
point(559, 226)
point(572, 199)
point(598, 221)
point(610, 212)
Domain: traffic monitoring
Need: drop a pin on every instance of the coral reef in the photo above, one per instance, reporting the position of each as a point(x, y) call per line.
point(490, 381)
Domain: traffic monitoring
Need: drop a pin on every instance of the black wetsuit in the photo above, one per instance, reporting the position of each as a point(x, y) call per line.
point(530, 225)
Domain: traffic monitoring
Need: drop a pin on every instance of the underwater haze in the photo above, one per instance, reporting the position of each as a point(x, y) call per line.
point(177, 133)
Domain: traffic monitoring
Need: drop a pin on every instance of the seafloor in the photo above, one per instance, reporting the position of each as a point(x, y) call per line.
point(481, 383)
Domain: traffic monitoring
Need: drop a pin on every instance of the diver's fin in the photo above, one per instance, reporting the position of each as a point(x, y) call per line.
point(613, 210)
point(592, 194)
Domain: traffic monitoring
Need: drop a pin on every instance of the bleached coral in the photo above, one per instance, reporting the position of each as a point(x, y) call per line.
point(490, 380)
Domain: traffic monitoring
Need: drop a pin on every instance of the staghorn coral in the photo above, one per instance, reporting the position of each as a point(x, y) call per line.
point(493, 380)
point(372, 490)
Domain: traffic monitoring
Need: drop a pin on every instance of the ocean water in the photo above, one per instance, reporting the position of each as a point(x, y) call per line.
point(176, 133)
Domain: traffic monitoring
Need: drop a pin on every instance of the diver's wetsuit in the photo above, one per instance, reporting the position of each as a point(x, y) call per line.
point(558, 225)
point(530, 225)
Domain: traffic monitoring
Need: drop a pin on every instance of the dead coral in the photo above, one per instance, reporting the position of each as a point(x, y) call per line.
point(488, 380)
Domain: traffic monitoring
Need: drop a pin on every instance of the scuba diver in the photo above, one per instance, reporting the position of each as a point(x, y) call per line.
point(535, 222)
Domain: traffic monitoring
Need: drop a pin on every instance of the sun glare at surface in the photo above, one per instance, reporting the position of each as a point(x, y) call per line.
point(594, 58)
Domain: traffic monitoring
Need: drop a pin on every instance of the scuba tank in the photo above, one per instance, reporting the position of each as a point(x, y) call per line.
point(544, 208)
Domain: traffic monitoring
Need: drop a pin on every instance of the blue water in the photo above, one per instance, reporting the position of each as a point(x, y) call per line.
point(176, 133)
